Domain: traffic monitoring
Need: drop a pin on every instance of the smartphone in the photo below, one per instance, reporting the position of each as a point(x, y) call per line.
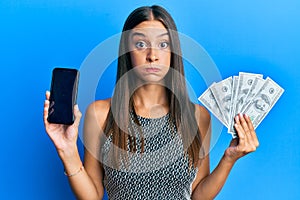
point(63, 95)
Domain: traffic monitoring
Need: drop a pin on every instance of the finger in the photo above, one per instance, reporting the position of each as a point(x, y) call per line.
point(243, 140)
point(241, 134)
point(252, 131)
point(237, 120)
point(47, 95)
point(77, 115)
point(249, 132)
point(46, 108)
point(249, 122)
point(245, 126)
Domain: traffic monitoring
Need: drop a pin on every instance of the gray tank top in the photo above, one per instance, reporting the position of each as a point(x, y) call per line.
point(161, 172)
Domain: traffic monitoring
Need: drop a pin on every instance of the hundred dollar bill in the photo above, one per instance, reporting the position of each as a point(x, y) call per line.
point(262, 103)
point(222, 93)
point(233, 100)
point(209, 101)
point(245, 82)
point(256, 86)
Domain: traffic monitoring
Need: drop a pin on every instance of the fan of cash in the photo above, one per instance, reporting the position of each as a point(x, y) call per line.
point(246, 93)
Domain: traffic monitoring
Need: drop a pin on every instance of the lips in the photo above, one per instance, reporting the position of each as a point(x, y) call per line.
point(152, 69)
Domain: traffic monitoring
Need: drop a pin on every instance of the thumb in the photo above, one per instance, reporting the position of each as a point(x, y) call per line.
point(77, 115)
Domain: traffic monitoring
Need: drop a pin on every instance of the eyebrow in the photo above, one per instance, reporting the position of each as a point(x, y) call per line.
point(143, 35)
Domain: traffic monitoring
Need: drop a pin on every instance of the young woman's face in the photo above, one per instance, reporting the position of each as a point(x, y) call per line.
point(149, 45)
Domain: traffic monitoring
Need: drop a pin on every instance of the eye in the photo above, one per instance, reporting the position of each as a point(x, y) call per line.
point(141, 45)
point(163, 45)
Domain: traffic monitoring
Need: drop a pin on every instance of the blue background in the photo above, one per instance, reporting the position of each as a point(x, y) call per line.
point(254, 36)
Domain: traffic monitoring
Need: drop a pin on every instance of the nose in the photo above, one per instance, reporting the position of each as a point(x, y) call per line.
point(152, 55)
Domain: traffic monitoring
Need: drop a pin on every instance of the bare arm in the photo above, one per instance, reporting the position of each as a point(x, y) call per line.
point(209, 185)
point(86, 182)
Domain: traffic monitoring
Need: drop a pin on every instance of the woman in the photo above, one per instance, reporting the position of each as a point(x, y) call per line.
point(148, 141)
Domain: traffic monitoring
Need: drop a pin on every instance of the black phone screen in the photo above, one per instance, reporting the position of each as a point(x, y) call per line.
point(63, 95)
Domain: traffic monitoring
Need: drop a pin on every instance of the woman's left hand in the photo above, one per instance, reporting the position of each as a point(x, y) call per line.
point(245, 143)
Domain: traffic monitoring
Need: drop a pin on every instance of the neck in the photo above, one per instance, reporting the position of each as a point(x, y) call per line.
point(151, 101)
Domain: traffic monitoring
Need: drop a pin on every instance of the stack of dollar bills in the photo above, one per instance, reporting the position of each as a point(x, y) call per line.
point(246, 93)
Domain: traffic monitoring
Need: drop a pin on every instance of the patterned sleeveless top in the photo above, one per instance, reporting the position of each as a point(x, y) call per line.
point(161, 172)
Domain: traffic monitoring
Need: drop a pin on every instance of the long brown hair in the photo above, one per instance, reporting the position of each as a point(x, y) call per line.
point(182, 111)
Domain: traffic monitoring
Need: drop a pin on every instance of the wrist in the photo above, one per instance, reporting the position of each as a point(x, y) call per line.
point(69, 155)
point(71, 160)
point(68, 151)
point(75, 172)
point(228, 160)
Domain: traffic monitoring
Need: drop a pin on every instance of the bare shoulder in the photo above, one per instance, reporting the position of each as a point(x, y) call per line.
point(96, 115)
point(100, 105)
point(203, 119)
point(94, 122)
point(98, 109)
point(202, 114)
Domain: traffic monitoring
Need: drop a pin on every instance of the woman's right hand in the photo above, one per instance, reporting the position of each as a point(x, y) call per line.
point(64, 137)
